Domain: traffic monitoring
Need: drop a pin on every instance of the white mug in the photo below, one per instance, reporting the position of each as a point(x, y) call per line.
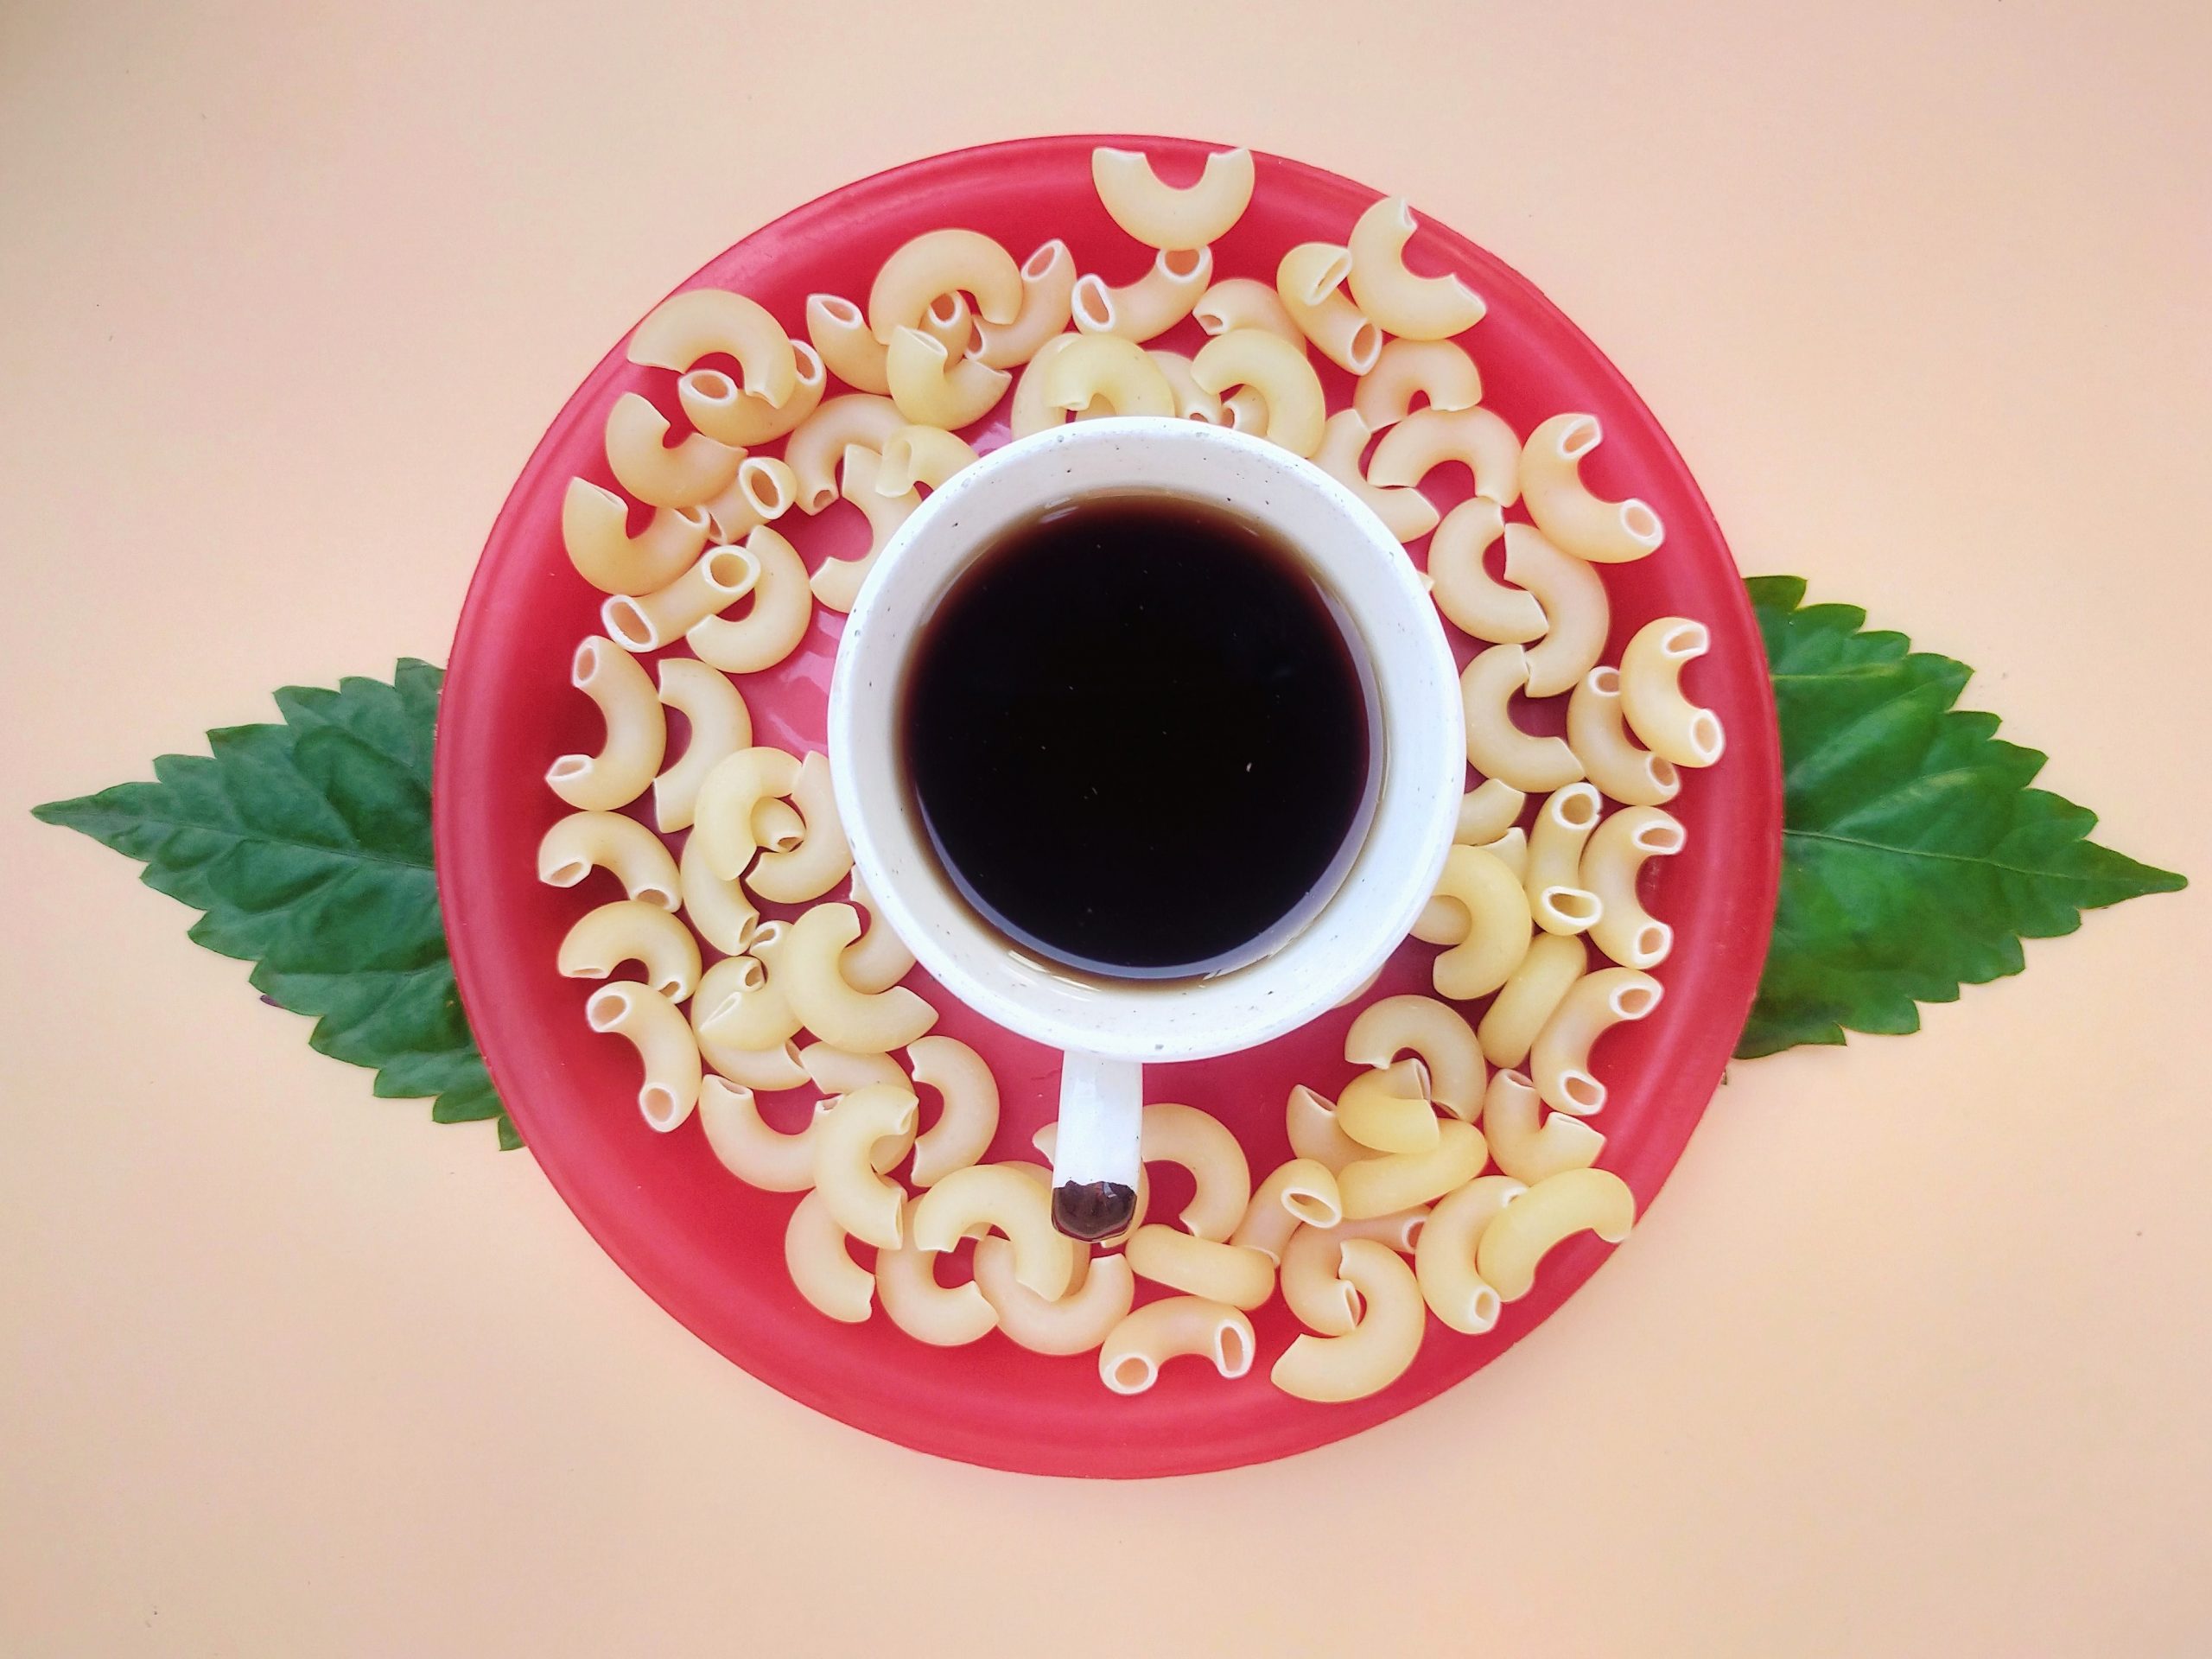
point(1107, 1028)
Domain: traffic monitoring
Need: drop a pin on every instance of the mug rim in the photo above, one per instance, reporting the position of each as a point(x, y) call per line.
point(1161, 1020)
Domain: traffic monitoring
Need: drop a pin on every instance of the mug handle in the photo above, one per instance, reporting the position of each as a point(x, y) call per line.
point(1096, 1165)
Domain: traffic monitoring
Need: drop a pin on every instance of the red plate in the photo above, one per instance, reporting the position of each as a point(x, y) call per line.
point(709, 1249)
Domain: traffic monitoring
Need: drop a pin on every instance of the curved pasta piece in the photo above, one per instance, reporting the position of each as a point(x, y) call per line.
point(820, 860)
point(700, 321)
point(1576, 1200)
point(1559, 1060)
point(1301, 1192)
point(1407, 514)
point(1220, 1175)
point(1611, 861)
point(662, 1037)
point(721, 725)
point(817, 446)
point(1232, 1273)
point(723, 810)
point(1310, 280)
point(1073, 1323)
point(1028, 411)
point(1047, 298)
point(1386, 1110)
point(1246, 410)
point(1604, 532)
point(719, 910)
point(1377, 1185)
point(1192, 401)
point(944, 1316)
point(806, 960)
point(1150, 306)
point(1477, 438)
point(937, 262)
point(1377, 1351)
point(1279, 373)
point(764, 1068)
point(643, 622)
point(1473, 600)
point(763, 491)
point(1141, 1342)
point(1399, 1229)
point(1413, 308)
point(1664, 721)
point(837, 582)
point(880, 959)
point(1495, 745)
point(932, 387)
point(835, 1071)
point(635, 856)
point(747, 1148)
point(921, 455)
point(1168, 216)
point(1529, 1144)
point(1311, 1120)
point(1632, 776)
point(1244, 303)
point(1489, 811)
point(1501, 924)
point(1435, 369)
point(965, 1129)
point(596, 531)
point(658, 472)
point(1443, 1261)
point(1530, 997)
point(1557, 899)
point(1105, 369)
point(1436, 1031)
point(825, 1273)
point(728, 414)
point(1316, 1297)
point(637, 735)
point(847, 345)
point(783, 606)
point(753, 1010)
point(1000, 1198)
point(1443, 919)
point(630, 930)
point(861, 1200)
point(1577, 617)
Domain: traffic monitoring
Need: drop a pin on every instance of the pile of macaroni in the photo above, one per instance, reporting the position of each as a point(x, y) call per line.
point(1461, 1153)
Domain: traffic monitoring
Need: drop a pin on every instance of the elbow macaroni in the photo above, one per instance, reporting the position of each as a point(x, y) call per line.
point(718, 908)
point(937, 262)
point(1150, 306)
point(1495, 745)
point(721, 725)
point(1664, 721)
point(714, 402)
point(783, 606)
point(753, 1012)
point(1477, 438)
point(1576, 615)
point(596, 531)
point(806, 960)
point(837, 582)
point(1047, 302)
point(1489, 811)
point(1559, 1060)
point(1374, 1353)
point(822, 856)
point(1255, 359)
point(880, 959)
point(1473, 600)
point(621, 846)
point(748, 1148)
point(1000, 1198)
point(1500, 924)
point(762, 491)
point(1301, 1192)
point(686, 327)
point(1166, 216)
point(825, 1273)
point(1436, 1031)
point(1073, 1323)
point(1141, 1342)
point(1386, 1110)
point(944, 1316)
point(1530, 997)
point(650, 1022)
point(1105, 369)
point(847, 345)
point(637, 735)
point(1528, 1144)
point(1388, 1182)
point(1410, 306)
point(965, 1129)
point(1310, 280)
point(643, 622)
point(723, 811)
point(932, 387)
point(1577, 1200)
point(1407, 514)
point(1557, 899)
point(1632, 776)
point(1233, 1274)
point(630, 930)
point(818, 445)
point(1444, 1261)
point(1611, 863)
point(1244, 303)
point(1604, 532)
point(1434, 369)
point(658, 472)
point(1311, 1122)
point(861, 1201)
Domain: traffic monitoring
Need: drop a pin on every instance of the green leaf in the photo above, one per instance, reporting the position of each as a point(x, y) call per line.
point(1916, 856)
point(307, 847)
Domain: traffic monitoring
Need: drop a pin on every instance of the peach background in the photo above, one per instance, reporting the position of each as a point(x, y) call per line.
point(1911, 1357)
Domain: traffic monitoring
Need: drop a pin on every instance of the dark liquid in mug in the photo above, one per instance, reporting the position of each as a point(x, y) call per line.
point(1140, 738)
